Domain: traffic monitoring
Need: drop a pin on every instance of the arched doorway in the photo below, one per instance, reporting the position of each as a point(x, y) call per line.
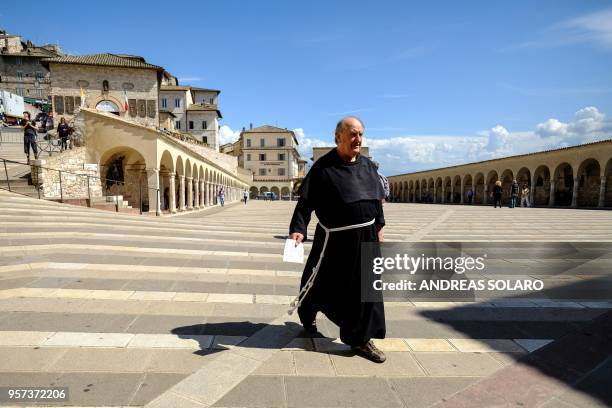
point(108, 106)
point(438, 190)
point(492, 178)
point(457, 190)
point(253, 192)
point(563, 184)
point(506, 179)
point(285, 193)
point(589, 182)
point(479, 193)
point(467, 187)
point(447, 190)
point(541, 189)
point(276, 191)
point(123, 174)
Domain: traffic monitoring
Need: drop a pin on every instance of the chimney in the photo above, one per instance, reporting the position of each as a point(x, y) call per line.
point(250, 126)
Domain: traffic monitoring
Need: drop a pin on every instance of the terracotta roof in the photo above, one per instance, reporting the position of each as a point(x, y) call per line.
point(268, 129)
point(204, 108)
point(187, 88)
point(105, 60)
point(32, 52)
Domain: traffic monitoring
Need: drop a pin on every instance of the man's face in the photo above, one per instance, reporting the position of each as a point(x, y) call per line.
point(350, 137)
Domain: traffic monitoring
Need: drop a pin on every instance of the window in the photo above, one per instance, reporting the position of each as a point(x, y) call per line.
point(204, 125)
point(248, 142)
point(20, 91)
point(164, 103)
point(212, 101)
point(280, 142)
point(248, 156)
point(19, 61)
point(151, 108)
point(38, 75)
point(205, 139)
point(262, 142)
point(105, 86)
point(281, 156)
point(69, 100)
point(191, 124)
point(177, 102)
point(19, 76)
point(141, 106)
point(39, 93)
point(177, 124)
point(262, 172)
point(281, 171)
point(262, 157)
point(58, 103)
point(132, 108)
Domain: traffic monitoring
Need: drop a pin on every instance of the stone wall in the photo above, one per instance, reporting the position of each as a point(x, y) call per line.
point(74, 172)
point(229, 163)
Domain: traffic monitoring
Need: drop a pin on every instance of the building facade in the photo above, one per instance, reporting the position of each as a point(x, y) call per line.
point(271, 154)
point(123, 85)
point(195, 111)
point(577, 176)
point(21, 71)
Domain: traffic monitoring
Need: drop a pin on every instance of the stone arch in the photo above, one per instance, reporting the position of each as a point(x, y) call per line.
point(263, 189)
point(410, 192)
point(429, 191)
point(447, 190)
point(479, 188)
point(285, 193)
point(589, 181)
point(467, 186)
point(423, 190)
point(506, 178)
point(253, 192)
point(541, 187)
point(607, 195)
point(166, 168)
point(438, 190)
point(563, 180)
point(457, 189)
point(523, 177)
point(404, 187)
point(123, 173)
point(417, 191)
point(275, 190)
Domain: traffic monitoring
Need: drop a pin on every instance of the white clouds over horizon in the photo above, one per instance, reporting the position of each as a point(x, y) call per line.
point(404, 154)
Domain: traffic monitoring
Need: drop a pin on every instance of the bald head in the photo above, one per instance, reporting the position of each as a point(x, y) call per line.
point(348, 122)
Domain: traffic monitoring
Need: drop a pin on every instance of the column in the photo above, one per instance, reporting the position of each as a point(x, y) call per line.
point(181, 193)
point(602, 192)
point(461, 200)
point(189, 193)
point(208, 196)
point(196, 192)
point(443, 194)
point(551, 199)
point(485, 190)
point(202, 194)
point(172, 192)
point(153, 191)
point(575, 193)
point(162, 186)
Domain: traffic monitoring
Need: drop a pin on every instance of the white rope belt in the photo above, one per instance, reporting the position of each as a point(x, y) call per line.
point(295, 303)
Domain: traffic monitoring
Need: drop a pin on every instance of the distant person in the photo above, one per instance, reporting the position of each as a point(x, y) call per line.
point(222, 197)
point(497, 194)
point(63, 131)
point(29, 136)
point(470, 195)
point(166, 197)
point(1, 111)
point(245, 196)
point(525, 196)
point(383, 181)
point(514, 190)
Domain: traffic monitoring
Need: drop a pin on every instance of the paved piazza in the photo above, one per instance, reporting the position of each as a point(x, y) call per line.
point(190, 311)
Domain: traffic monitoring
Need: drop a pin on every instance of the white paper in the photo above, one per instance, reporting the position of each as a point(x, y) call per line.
point(293, 253)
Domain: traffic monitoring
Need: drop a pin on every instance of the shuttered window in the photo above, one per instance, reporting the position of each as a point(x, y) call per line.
point(77, 102)
point(142, 108)
point(151, 108)
point(132, 107)
point(59, 104)
point(69, 100)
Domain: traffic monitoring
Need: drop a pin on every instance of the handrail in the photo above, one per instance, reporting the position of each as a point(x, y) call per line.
point(103, 180)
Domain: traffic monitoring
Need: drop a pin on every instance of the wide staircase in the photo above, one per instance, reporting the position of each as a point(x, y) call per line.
point(124, 310)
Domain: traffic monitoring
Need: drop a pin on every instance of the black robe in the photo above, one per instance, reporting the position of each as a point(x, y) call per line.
point(341, 193)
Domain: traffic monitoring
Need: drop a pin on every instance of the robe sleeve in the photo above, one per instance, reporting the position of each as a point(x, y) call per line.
point(380, 216)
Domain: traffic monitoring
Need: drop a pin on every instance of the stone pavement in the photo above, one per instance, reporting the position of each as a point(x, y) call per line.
point(191, 311)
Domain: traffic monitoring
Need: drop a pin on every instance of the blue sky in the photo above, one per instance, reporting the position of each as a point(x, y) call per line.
point(437, 83)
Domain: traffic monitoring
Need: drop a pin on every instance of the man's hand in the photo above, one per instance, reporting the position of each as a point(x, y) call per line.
point(381, 236)
point(297, 237)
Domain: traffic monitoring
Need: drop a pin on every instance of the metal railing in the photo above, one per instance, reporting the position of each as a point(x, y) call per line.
point(67, 181)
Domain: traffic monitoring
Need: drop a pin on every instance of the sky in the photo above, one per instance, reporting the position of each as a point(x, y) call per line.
point(436, 83)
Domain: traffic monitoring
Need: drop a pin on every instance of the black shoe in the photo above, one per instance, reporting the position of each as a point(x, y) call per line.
point(371, 352)
point(310, 330)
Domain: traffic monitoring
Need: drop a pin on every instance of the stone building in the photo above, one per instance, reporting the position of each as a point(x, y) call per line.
point(270, 153)
point(21, 71)
point(195, 111)
point(124, 85)
point(577, 176)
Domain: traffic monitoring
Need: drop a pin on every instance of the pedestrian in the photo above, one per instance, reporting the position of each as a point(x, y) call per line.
point(63, 131)
point(383, 181)
point(29, 136)
point(344, 191)
point(514, 189)
point(497, 194)
point(221, 197)
point(470, 195)
point(245, 196)
point(525, 196)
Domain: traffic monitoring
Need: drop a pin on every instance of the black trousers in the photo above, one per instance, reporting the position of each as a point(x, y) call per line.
point(30, 141)
point(64, 143)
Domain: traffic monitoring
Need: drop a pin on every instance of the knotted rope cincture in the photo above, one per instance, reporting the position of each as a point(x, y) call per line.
point(297, 302)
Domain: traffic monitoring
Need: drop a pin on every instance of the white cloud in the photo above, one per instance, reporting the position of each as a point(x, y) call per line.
point(227, 135)
point(595, 27)
point(498, 138)
point(551, 127)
